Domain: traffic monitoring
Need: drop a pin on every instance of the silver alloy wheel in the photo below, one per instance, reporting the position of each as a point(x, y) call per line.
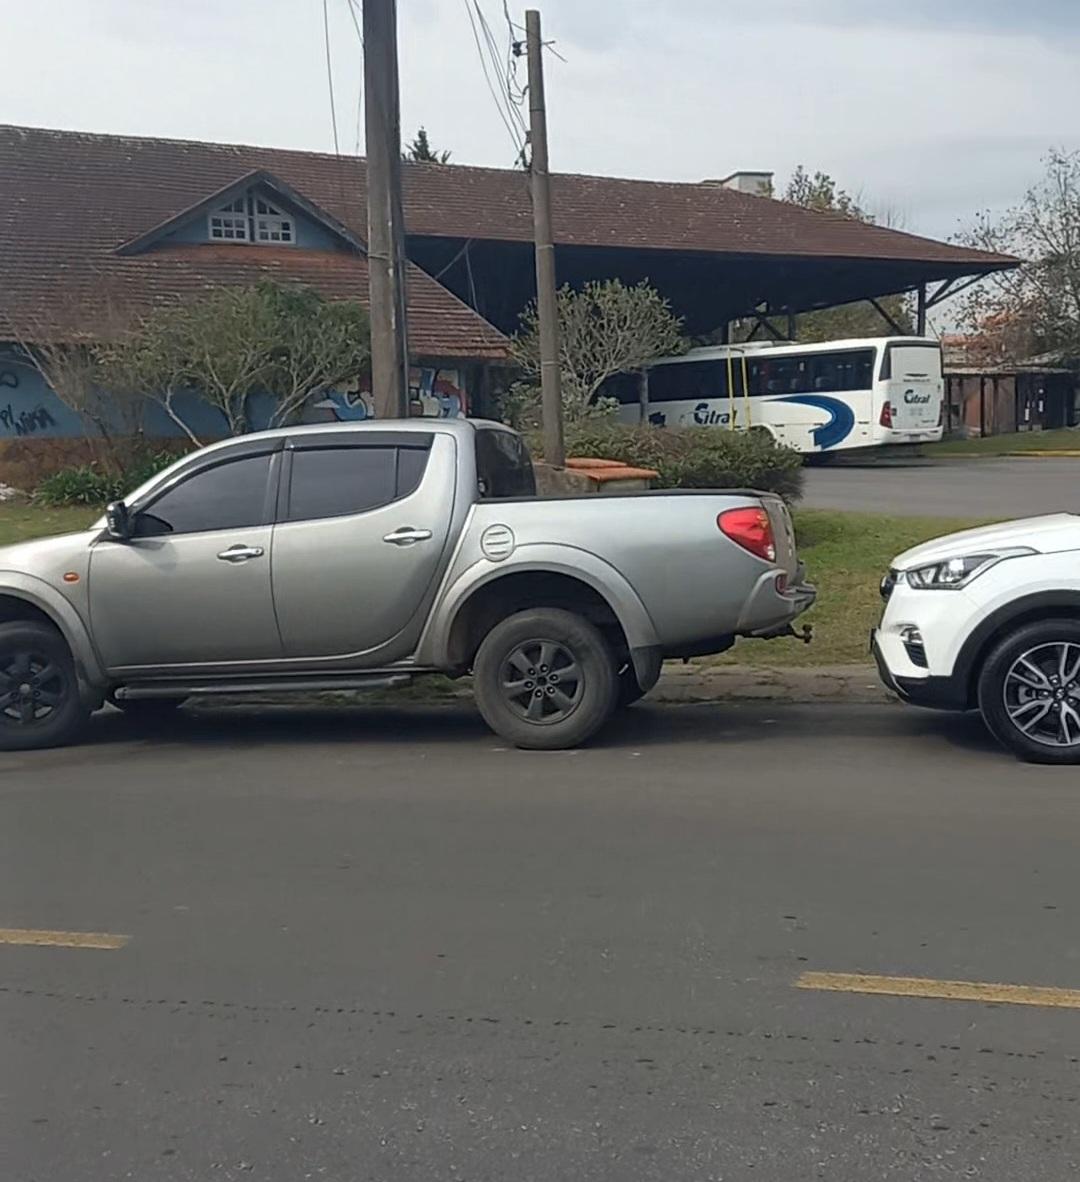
point(542, 682)
point(32, 687)
point(1042, 694)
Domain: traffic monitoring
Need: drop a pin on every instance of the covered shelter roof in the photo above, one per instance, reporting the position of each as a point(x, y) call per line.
point(72, 204)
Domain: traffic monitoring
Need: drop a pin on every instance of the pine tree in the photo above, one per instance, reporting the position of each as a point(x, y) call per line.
point(421, 151)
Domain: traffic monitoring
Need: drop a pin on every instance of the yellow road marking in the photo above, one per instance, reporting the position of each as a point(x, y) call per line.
point(1016, 995)
point(62, 939)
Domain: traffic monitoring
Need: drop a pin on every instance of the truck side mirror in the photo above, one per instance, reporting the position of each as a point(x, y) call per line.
point(117, 521)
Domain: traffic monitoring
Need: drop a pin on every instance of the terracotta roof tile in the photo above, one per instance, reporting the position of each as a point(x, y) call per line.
point(68, 200)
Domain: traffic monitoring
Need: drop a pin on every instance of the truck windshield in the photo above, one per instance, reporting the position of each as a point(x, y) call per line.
point(503, 465)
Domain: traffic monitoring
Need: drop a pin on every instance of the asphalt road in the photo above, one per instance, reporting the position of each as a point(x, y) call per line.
point(996, 489)
point(377, 944)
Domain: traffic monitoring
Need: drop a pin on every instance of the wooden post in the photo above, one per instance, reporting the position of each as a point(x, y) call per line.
point(386, 230)
point(546, 300)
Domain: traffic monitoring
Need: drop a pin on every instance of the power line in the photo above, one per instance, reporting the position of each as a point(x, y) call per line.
point(502, 70)
point(351, 5)
point(515, 135)
point(330, 74)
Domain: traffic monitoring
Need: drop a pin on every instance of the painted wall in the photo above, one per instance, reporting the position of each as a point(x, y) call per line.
point(29, 409)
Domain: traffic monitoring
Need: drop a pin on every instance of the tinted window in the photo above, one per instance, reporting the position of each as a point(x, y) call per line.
point(411, 462)
point(625, 388)
point(689, 381)
point(807, 373)
point(503, 465)
point(332, 482)
point(229, 496)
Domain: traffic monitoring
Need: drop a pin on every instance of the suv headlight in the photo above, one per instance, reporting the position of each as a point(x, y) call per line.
point(951, 573)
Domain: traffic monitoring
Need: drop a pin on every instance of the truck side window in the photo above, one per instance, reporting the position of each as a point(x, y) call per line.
point(231, 495)
point(339, 481)
point(503, 465)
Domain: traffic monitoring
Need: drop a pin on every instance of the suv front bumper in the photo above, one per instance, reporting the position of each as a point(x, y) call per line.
point(933, 692)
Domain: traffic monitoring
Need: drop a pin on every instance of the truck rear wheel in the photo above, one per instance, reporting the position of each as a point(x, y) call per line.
point(40, 704)
point(545, 679)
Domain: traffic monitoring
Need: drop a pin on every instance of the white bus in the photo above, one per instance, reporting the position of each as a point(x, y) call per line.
point(826, 397)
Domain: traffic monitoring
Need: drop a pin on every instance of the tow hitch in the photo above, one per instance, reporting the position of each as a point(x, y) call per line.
point(805, 633)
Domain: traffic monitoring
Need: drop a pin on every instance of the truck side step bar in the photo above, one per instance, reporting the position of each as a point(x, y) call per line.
point(190, 689)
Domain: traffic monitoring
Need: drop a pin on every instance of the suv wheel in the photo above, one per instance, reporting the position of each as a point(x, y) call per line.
point(545, 679)
point(39, 691)
point(1029, 691)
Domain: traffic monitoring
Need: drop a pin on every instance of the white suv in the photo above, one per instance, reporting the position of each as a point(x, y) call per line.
point(990, 619)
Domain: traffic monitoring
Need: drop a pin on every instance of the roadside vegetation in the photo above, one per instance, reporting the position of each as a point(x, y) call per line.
point(1065, 439)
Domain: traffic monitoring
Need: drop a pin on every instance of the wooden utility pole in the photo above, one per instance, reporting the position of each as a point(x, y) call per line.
point(546, 303)
point(386, 230)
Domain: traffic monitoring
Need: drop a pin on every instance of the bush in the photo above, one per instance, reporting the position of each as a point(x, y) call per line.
point(695, 457)
point(89, 484)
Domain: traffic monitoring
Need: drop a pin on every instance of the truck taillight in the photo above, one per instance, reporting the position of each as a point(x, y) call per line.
point(751, 529)
point(886, 415)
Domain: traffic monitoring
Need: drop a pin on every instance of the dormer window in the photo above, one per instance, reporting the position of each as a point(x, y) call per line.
point(230, 222)
point(250, 218)
point(271, 225)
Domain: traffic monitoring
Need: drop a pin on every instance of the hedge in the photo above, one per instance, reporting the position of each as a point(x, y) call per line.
point(694, 457)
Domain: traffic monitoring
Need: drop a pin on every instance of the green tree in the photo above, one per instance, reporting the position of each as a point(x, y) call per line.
point(1034, 309)
point(231, 343)
point(818, 191)
point(422, 152)
point(604, 329)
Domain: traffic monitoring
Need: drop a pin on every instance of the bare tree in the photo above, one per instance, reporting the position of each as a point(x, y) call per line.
point(72, 369)
point(604, 329)
point(1035, 308)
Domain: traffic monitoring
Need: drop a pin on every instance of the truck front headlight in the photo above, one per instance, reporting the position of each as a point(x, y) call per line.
point(951, 573)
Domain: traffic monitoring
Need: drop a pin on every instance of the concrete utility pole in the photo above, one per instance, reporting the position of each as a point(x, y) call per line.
point(386, 228)
point(546, 304)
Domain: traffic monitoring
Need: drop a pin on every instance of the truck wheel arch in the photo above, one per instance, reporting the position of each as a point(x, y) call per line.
point(23, 597)
point(472, 605)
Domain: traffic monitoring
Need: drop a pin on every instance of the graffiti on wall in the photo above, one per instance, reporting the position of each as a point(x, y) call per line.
point(25, 422)
point(434, 393)
point(437, 393)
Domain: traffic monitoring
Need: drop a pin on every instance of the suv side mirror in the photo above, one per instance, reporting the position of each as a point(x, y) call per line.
point(118, 521)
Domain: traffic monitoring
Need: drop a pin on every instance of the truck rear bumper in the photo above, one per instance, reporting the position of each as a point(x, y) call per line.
point(773, 604)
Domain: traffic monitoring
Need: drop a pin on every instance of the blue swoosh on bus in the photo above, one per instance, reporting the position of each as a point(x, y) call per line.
point(839, 424)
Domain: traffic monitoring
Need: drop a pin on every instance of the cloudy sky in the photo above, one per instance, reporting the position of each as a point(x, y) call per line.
point(928, 108)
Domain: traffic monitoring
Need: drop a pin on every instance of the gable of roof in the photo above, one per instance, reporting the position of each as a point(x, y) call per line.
point(68, 201)
point(257, 178)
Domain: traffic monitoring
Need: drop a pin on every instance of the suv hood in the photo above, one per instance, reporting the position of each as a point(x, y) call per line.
point(1047, 535)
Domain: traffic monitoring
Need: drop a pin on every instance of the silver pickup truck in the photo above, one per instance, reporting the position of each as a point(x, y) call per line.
point(356, 556)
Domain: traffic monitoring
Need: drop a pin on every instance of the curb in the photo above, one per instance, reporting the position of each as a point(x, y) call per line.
point(1072, 454)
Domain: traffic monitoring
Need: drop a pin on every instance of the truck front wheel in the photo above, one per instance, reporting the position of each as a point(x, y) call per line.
point(545, 679)
point(39, 691)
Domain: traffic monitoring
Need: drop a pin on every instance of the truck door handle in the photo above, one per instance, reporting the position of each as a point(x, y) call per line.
point(406, 536)
point(241, 553)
